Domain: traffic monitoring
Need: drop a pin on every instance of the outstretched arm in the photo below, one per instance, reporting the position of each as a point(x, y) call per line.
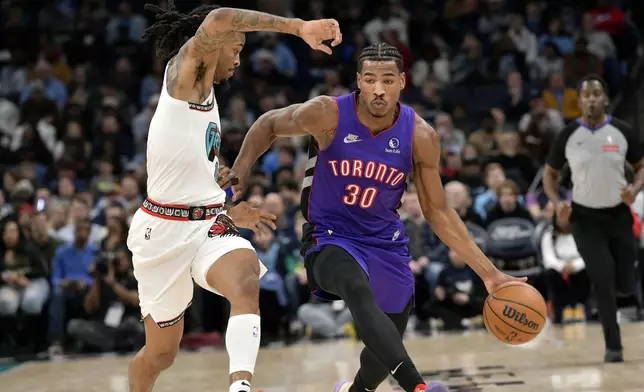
point(444, 221)
point(198, 56)
point(317, 117)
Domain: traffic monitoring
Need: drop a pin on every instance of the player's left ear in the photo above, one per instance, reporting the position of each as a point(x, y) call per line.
point(403, 80)
point(358, 79)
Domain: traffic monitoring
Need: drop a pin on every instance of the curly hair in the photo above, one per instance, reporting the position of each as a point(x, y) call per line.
point(172, 28)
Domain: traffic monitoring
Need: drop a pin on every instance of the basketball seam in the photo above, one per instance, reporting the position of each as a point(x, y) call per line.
point(511, 284)
point(508, 324)
point(518, 303)
point(518, 285)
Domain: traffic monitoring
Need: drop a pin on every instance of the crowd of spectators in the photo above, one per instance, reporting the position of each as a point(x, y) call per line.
point(78, 88)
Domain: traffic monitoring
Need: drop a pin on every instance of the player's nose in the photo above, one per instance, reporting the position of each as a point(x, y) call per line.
point(379, 89)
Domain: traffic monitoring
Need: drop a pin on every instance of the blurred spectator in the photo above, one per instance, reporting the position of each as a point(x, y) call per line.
point(539, 127)
point(13, 77)
point(458, 197)
point(508, 205)
point(548, 62)
point(516, 163)
point(283, 57)
point(533, 12)
point(494, 179)
point(566, 275)
point(418, 231)
point(582, 62)
point(608, 17)
point(112, 307)
point(44, 244)
point(326, 320)
point(105, 182)
point(509, 59)
point(23, 276)
point(557, 36)
point(429, 253)
point(485, 140)
point(385, 20)
point(523, 38)
point(273, 298)
point(431, 62)
point(599, 42)
point(469, 66)
point(79, 212)
point(46, 83)
point(518, 98)
point(125, 25)
point(494, 20)
point(332, 86)
point(452, 139)
point(459, 294)
point(561, 98)
point(70, 281)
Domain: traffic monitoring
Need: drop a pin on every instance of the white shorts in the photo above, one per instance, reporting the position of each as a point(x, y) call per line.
point(168, 255)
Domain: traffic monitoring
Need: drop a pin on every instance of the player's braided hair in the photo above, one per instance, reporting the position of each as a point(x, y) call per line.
point(172, 28)
point(380, 52)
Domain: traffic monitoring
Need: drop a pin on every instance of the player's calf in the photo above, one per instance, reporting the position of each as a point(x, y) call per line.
point(236, 276)
point(158, 354)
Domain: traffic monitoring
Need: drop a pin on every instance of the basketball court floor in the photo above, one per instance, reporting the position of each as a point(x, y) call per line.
point(561, 359)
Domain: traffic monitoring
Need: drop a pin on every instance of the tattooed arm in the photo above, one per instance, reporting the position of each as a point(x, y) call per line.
point(317, 117)
point(197, 58)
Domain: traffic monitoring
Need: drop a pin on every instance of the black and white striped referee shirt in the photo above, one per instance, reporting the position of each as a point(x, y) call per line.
point(596, 157)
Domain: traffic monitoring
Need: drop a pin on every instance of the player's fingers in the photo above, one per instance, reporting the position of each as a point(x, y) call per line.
point(323, 48)
point(335, 26)
point(269, 223)
point(237, 192)
point(268, 215)
point(223, 183)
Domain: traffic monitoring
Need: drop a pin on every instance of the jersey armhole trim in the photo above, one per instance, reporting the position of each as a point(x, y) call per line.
point(413, 133)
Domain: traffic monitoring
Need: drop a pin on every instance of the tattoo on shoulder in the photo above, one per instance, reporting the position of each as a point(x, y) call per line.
point(172, 74)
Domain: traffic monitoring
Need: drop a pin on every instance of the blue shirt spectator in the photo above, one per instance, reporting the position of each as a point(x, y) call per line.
point(73, 263)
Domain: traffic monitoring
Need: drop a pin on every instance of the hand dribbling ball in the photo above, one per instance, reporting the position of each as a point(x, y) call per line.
point(515, 313)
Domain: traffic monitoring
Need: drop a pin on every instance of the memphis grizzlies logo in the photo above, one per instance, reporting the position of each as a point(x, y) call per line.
point(213, 141)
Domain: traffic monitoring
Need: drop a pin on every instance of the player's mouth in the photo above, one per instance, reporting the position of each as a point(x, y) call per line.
point(379, 104)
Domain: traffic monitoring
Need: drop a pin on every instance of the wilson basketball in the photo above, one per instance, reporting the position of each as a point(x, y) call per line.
point(515, 313)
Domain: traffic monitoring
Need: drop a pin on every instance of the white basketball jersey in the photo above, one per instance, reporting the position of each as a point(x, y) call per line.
point(183, 152)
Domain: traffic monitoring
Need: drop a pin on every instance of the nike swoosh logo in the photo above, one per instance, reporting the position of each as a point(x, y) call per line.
point(244, 383)
point(396, 369)
point(352, 140)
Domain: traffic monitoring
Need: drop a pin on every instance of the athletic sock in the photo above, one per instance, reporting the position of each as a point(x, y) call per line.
point(242, 343)
point(240, 386)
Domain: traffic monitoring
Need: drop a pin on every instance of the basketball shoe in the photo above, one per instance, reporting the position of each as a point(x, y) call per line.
point(344, 386)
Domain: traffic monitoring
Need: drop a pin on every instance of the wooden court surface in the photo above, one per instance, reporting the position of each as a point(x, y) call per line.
point(562, 359)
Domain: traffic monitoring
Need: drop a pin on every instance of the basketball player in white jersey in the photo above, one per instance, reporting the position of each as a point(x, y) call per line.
point(183, 231)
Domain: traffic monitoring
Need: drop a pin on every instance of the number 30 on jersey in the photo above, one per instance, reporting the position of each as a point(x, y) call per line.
point(364, 198)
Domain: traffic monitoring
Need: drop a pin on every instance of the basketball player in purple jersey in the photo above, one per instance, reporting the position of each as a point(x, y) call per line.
point(365, 144)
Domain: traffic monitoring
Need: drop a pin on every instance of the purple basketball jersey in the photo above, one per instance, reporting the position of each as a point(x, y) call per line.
point(351, 192)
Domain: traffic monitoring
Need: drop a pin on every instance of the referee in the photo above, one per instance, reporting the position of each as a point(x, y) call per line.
point(596, 147)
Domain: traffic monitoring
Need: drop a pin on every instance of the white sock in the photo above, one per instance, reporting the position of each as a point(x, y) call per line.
point(242, 343)
point(240, 386)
